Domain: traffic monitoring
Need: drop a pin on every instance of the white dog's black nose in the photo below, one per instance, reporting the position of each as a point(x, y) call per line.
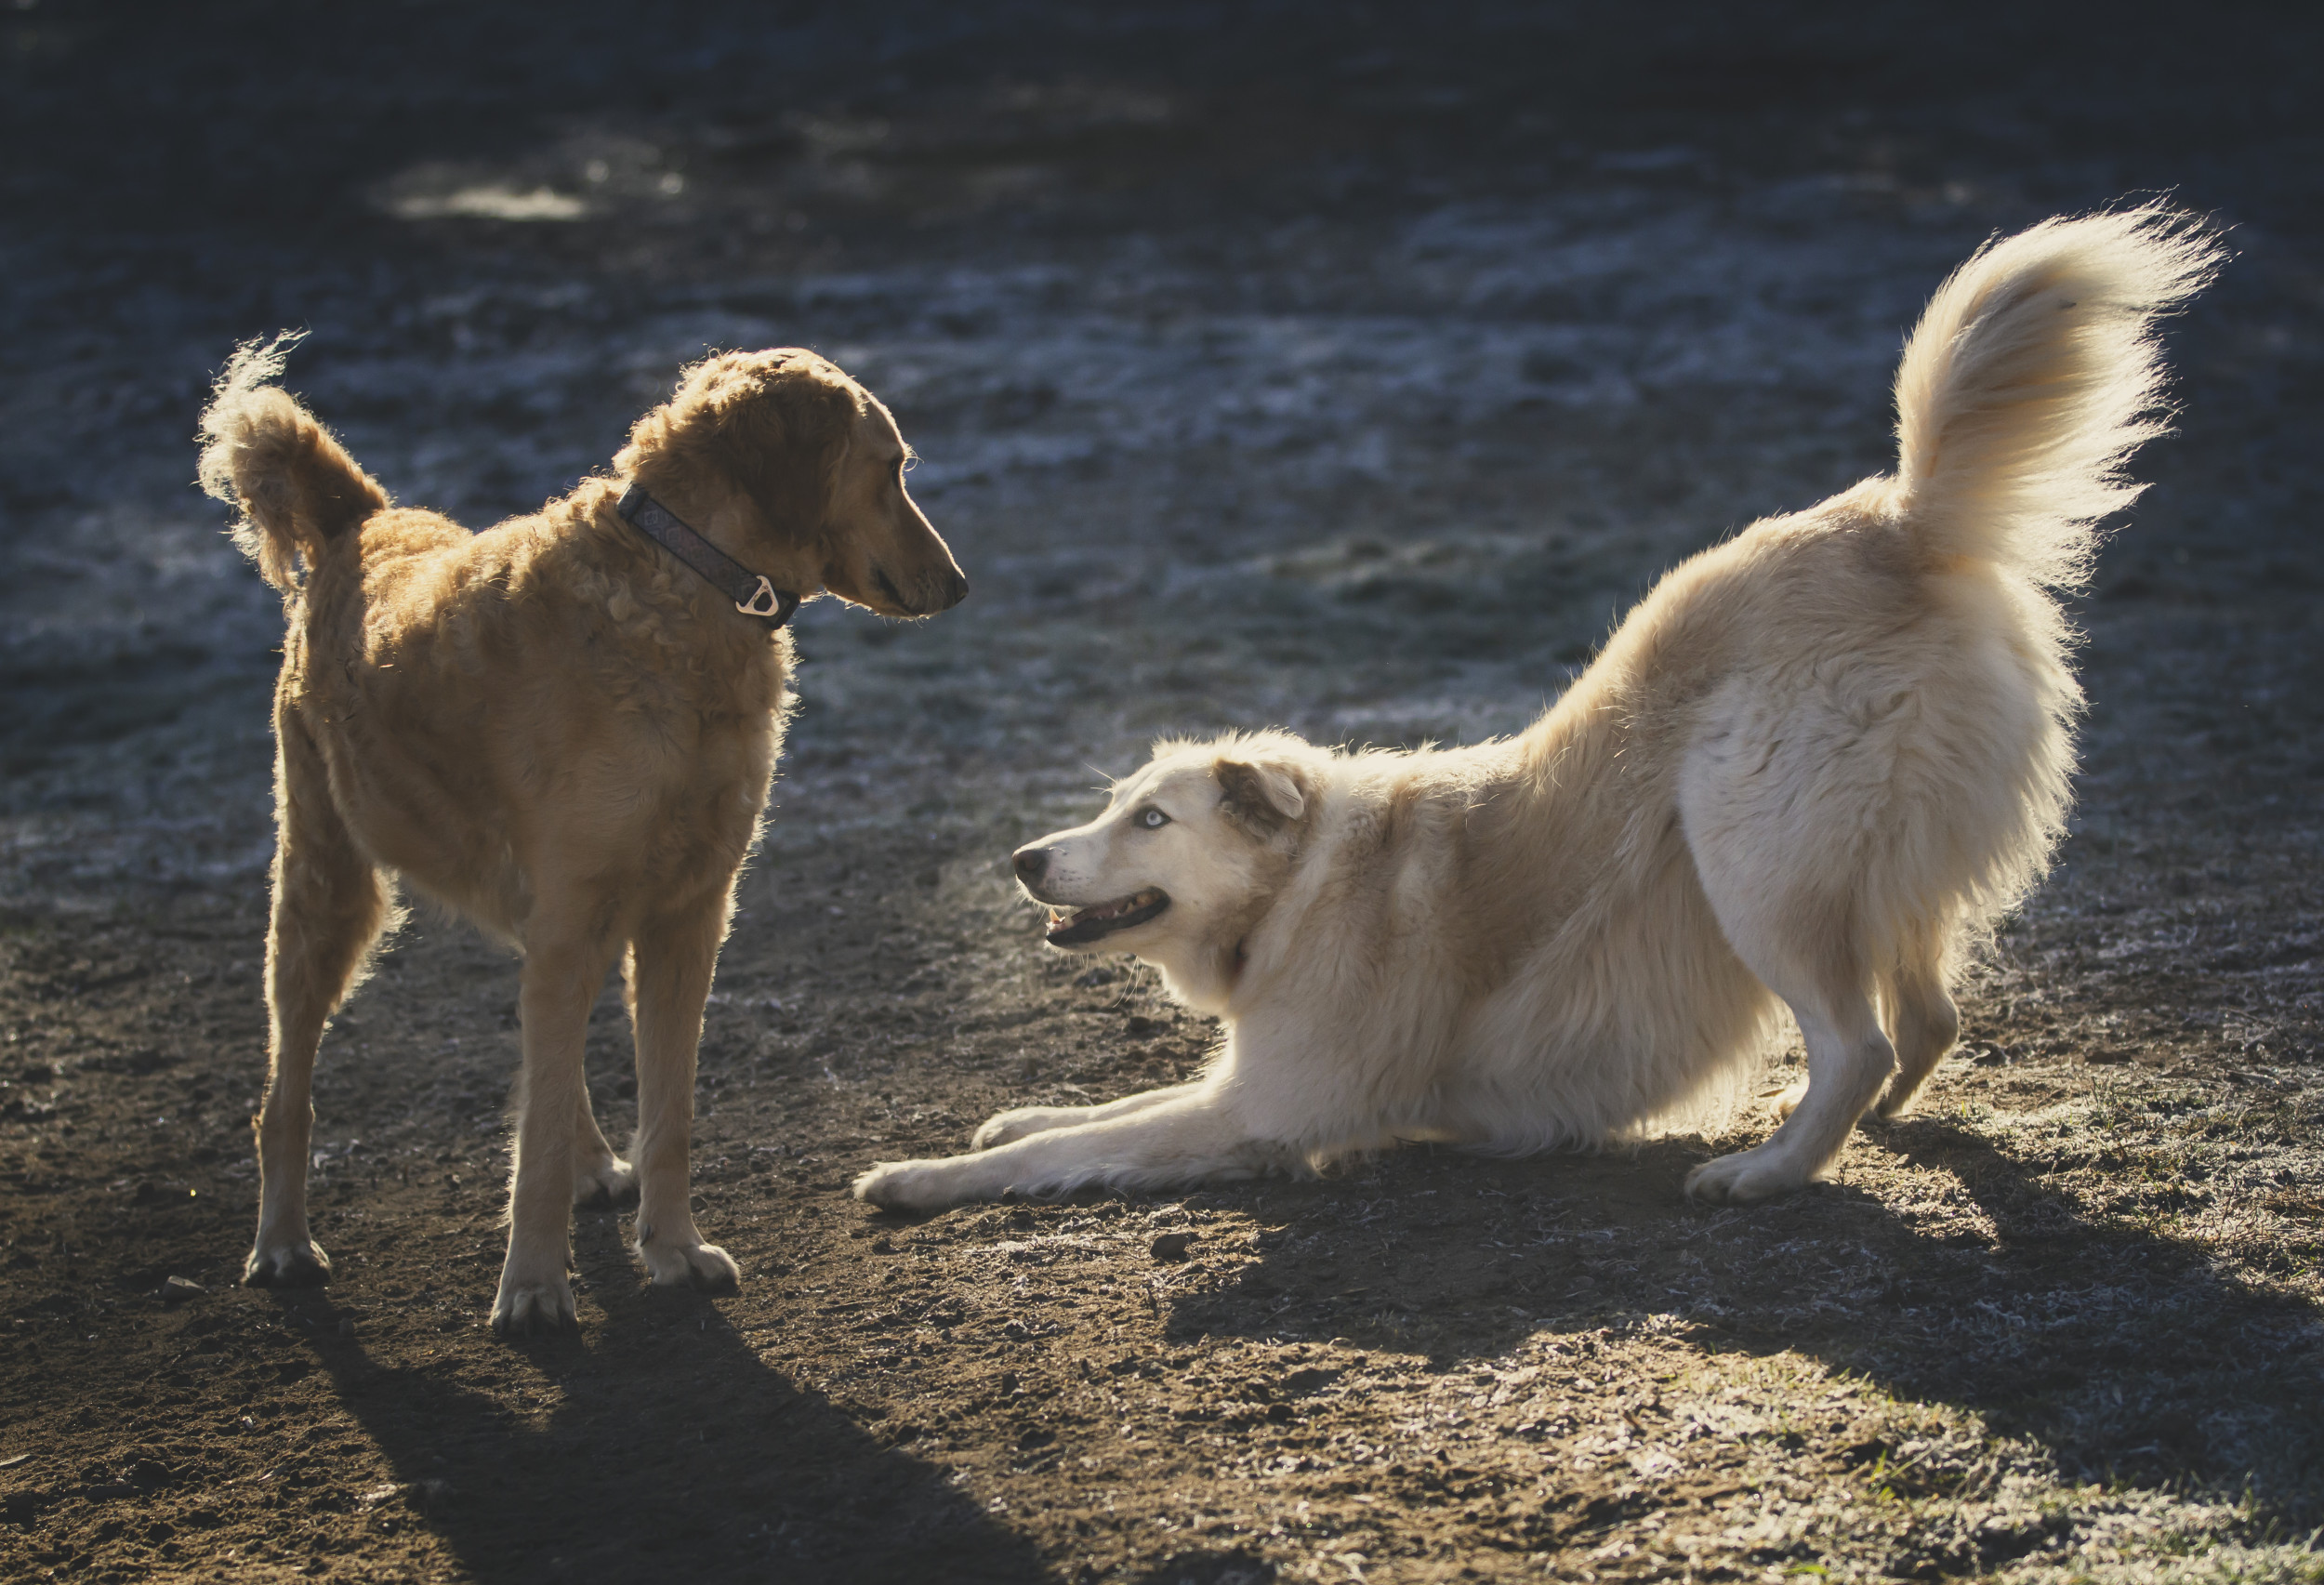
point(1030, 863)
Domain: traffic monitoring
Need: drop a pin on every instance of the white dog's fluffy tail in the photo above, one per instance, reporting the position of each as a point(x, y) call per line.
point(298, 488)
point(2031, 379)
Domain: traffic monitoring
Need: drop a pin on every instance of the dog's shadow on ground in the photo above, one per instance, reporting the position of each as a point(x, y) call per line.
point(783, 1483)
point(2129, 1353)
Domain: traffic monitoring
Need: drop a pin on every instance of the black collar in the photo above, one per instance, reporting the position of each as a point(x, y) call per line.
point(752, 594)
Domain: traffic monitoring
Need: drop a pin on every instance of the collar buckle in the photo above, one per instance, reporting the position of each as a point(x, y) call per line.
point(764, 600)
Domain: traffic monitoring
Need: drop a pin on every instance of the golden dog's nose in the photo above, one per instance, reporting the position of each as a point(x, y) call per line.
point(1029, 864)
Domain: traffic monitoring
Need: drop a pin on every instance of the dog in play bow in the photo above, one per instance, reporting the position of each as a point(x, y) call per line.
point(1807, 772)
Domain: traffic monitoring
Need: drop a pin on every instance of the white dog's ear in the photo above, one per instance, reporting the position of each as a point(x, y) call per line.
point(1262, 792)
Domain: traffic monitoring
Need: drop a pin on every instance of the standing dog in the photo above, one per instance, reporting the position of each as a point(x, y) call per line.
point(1812, 766)
point(563, 727)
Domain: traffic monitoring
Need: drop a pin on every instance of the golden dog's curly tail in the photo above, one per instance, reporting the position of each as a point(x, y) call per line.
point(298, 489)
point(2032, 377)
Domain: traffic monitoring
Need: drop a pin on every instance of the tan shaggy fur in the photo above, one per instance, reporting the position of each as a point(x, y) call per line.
point(1812, 766)
point(560, 732)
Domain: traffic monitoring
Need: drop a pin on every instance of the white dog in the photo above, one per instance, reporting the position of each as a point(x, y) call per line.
point(1812, 766)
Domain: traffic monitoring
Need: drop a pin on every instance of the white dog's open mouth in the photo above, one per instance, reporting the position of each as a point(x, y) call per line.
point(1081, 926)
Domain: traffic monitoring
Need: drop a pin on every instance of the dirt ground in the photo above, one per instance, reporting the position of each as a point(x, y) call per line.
point(1337, 368)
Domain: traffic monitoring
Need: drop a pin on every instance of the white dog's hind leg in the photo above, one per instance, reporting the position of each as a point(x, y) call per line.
point(1848, 1060)
point(1925, 1023)
point(1004, 1128)
point(1769, 830)
point(1184, 1139)
point(670, 969)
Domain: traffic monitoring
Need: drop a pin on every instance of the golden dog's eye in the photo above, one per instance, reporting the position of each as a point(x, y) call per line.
point(1153, 819)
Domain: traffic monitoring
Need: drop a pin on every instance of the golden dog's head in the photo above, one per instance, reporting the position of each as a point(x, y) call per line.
point(1184, 859)
point(797, 472)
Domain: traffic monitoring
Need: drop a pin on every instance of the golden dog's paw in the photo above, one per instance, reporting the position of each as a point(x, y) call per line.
point(1003, 1128)
point(702, 1267)
point(1745, 1177)
point(610, 1183)
point(542, 1305)
point(296, 1264)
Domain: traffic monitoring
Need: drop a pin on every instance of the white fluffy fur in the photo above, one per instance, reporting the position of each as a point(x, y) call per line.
point(1812, 766)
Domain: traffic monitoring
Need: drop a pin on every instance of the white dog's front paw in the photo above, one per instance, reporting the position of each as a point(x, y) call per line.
point(1002, 1127)
point(605, 1184)
point(704, 1267)
point(1745, 1177)
point(526, 1305)
point(913, 1186)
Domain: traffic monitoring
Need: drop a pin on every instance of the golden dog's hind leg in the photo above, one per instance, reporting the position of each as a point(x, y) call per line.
point(669, 968)
point(564, 964)
point(329, 908)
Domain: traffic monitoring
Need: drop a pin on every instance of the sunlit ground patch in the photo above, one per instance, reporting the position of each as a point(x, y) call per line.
point(492, 201)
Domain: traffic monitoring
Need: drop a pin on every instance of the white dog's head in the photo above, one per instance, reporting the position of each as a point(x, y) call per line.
point(1183, 860)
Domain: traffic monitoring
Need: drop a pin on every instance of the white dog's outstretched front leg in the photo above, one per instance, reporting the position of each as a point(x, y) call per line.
point(1182, 1137)
point(669, 969)
point(1022, 1122)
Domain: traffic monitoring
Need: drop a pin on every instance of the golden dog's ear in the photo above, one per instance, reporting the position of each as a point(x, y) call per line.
point(785, 444)
point(1264, 793)
point(777, 423)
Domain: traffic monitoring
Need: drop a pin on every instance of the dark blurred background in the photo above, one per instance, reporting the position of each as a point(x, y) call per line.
point(1471, 316)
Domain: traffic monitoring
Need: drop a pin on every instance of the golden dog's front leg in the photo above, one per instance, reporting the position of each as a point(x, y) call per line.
point(560, 980)
point(669, 969)
point(1182, 1137)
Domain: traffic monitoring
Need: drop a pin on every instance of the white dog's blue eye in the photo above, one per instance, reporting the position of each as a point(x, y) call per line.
point(1154, 820)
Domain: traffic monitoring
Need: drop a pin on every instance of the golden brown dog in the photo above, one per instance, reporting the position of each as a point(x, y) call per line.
point(559, 729)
